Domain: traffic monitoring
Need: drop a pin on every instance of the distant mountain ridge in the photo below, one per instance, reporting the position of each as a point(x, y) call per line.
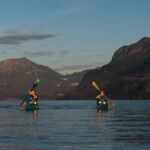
point(18, 75)
point(127, 76)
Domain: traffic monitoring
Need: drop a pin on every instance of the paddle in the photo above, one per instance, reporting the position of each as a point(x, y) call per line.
point(96, 86)
point(36, 83)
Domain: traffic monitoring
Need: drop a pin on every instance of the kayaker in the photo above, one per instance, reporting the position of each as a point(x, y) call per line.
point(102, 101)
point(30, 98)
point(103, 97)
point(32, 95)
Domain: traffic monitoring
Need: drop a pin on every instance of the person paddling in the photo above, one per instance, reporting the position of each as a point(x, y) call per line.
point(31, 97)
point(102, 99)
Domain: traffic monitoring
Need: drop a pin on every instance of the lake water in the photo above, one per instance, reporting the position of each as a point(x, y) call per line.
point(75, 125)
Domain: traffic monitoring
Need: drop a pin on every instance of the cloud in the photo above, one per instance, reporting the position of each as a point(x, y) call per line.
point(40, 53)
point(47, 53)
point(74, 68)
point(77, 68)
point(16, 39)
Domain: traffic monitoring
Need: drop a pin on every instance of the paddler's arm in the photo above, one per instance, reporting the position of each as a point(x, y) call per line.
point(98, 97)
point(22, 104)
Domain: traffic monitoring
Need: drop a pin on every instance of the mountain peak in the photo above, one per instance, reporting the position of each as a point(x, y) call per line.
point(11, 64)
point(138, 48)
point(23, 59)
point(144, 39)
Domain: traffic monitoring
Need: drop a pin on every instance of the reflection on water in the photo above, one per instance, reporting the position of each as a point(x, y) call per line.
point(75, 125)
point(35, 112)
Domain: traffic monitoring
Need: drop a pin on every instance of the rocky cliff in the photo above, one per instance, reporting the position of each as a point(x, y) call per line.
point(127, 76)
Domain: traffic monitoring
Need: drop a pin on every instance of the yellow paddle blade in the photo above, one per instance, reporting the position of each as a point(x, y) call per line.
point(95, 85)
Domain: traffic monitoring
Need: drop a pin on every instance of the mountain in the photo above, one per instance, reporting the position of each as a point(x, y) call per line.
point(127, 76)
point(78, 75)
point(18, 75)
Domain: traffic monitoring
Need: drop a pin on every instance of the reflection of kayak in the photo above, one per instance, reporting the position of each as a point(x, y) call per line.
point(31, 107)
point(102, 104)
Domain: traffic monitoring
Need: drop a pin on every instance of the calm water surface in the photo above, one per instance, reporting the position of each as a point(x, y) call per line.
point(75, 125)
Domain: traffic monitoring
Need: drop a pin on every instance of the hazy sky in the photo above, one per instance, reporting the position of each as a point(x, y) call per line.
point(70, 35)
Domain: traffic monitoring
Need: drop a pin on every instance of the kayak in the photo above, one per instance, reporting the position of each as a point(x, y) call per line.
point(31, 104)
point(102, 105)
point(31, 107)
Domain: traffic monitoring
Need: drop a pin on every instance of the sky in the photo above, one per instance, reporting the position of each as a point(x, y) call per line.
point(70, 35)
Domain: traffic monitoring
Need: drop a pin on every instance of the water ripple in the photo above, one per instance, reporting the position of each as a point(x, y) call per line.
point(75, 125)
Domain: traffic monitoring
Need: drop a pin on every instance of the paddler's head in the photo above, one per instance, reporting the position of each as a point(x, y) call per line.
point(102, 92)
point(33, 91)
